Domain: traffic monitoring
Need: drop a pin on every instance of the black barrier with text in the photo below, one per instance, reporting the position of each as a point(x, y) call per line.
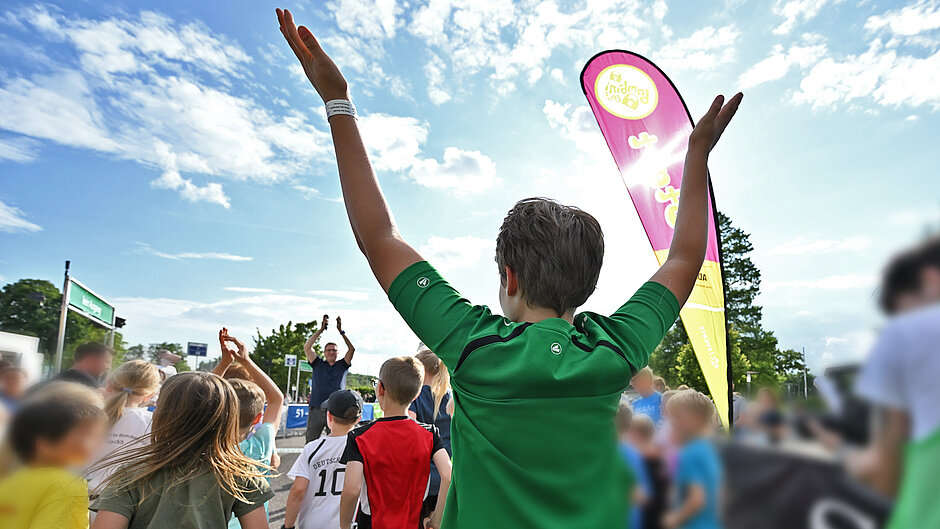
point(770, 489)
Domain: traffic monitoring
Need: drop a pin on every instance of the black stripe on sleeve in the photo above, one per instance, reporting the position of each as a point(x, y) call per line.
point(487, 340)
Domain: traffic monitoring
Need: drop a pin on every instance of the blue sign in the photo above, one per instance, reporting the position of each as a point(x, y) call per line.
point(197, 349)
point(297, 416)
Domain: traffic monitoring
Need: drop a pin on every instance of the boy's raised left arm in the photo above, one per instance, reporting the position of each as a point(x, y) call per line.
point(690, 237)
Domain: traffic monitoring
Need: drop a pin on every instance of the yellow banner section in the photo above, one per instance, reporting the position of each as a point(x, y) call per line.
point(704, 319)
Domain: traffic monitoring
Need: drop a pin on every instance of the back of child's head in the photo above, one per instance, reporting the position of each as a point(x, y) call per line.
point(624, 418)
point(402, 378)
point(195, 430)
point(643, 428)
point(555, 250)
point(50, 415)
point(250, 401)
point(693, 403)
point(236, 371)
point(130, 378)
point(434, 367)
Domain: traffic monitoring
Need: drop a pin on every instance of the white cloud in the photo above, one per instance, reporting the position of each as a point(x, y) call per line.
point(395, 144)
point(435, 75)
point(158, 93)
point(513, 42)
point(462, 171)
point(796, 11)
point(378, 334)
point(250, 290)
point(910, 20)
point(13, 221)
point(460, 252)
point(577, 124)
point(18, 150)
point(183, 256)
point(780, 62)
point(375, 19)
point(804, 246)
point(211, 192)
point(703, 50)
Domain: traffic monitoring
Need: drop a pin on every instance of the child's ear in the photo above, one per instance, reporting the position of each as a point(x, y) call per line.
point(257, 419)
point(512, 282)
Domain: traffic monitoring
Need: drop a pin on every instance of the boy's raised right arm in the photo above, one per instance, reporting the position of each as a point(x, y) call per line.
point(369, 215)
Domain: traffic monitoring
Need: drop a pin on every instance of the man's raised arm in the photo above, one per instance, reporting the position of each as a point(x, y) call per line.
point(690, 238)
point(369, 215)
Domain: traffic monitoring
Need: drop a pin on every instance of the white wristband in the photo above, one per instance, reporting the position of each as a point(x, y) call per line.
point(343, 107)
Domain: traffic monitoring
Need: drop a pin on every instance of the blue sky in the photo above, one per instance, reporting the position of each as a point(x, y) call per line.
point(180, 160)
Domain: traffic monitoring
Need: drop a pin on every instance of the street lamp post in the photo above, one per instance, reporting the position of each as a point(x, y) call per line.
point(749, 373)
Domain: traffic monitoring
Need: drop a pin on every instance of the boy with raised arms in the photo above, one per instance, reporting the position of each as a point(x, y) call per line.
point(535, 390)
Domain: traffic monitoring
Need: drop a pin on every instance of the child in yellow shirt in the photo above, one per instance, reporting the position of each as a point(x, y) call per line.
point(57, 429)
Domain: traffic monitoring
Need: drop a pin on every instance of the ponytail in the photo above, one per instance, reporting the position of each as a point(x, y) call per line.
point(131, 378)
point(440, 384)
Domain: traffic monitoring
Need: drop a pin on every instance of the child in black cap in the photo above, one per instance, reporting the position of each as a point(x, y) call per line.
point(313, 501)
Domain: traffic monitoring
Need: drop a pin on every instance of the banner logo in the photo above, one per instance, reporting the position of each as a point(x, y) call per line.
point(626, 91)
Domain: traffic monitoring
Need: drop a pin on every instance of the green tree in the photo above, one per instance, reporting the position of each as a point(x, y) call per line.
point(286, 339)
point(753, 347)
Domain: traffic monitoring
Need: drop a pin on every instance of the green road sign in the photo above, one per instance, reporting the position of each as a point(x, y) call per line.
point(305, 367)
point(90, 305)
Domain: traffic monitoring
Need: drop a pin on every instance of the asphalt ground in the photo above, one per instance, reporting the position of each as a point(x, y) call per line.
point(289, 448)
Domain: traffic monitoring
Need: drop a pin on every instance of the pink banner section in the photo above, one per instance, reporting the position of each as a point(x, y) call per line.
point(647, 126)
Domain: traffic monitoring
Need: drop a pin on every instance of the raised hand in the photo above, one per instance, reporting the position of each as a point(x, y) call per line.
point(240, 353)
point(325, 323)
point(227, 354)
point(709, 129)
point(339, 324)
point(322, 72)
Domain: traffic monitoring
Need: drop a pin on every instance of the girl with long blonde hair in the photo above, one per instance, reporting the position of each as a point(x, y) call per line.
point(192, 473)
point(129, 386)
point(434, 405)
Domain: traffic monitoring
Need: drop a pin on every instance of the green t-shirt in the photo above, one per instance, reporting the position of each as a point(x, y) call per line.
point(917, 505)
point(533, 430)
point(195, 504)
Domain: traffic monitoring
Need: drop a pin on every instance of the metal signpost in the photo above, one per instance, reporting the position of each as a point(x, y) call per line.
point(78, 298)
point(290, 361)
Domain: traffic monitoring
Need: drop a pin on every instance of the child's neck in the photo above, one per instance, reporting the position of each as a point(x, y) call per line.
point(537, 314)
point(393, 409)
point(341, 432)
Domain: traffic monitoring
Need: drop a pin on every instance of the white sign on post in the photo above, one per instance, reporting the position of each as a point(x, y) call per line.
point(290, 360)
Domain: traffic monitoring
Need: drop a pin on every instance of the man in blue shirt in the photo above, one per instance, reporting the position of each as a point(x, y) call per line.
point(650, 401)
point(328, 375)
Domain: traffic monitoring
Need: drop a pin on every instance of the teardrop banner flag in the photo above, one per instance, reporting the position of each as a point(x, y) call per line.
point(647, 126)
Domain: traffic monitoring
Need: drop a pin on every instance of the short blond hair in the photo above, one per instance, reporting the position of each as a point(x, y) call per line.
point(250, 400)
point(694, 402)
point(643, 426)
point(402, 378)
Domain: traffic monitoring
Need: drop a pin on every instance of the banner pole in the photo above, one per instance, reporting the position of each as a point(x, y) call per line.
point(63, 316)
point(724, 293)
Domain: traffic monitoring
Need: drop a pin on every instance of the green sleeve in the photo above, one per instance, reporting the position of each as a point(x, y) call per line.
point(259, 491)
point(640, 324)
point(436, 312)
point(122, 500)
